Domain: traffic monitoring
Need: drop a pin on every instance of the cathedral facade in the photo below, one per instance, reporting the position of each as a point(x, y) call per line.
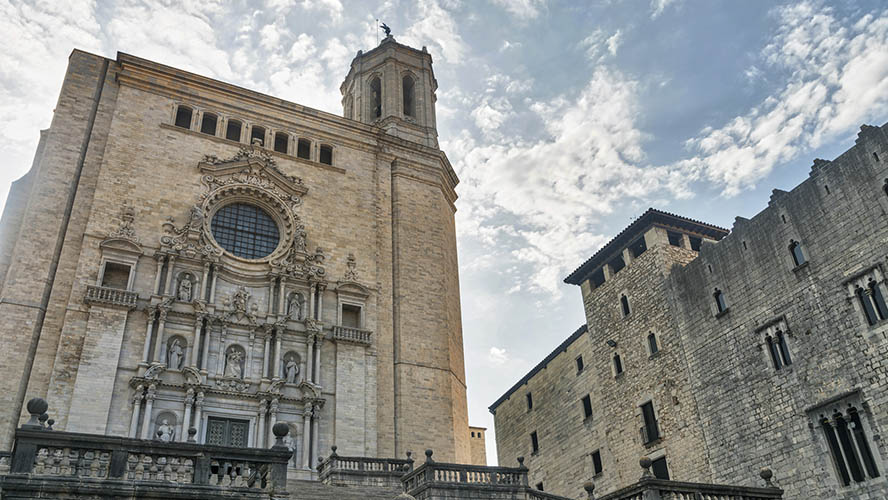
point(187, 258)
point(716, 354)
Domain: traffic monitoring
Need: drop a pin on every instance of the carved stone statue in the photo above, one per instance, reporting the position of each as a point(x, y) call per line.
point(174, 355)
point(233, 366)
point(185, 287)
point(165, 431)
point(291, 369)
point(290, 443)
point(294, 306)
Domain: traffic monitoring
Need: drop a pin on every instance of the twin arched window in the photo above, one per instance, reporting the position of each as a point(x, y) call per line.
point(872, 301)
point(778, 349)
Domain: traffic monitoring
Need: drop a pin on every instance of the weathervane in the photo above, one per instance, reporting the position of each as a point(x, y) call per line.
point(388, 31)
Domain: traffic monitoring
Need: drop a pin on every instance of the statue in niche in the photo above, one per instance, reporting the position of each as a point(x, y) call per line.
point(185, 288)
point(233, 363)
point(294, 305)
point(174, 355)
point(291, 368)
point(165, 431)
point(290, 443)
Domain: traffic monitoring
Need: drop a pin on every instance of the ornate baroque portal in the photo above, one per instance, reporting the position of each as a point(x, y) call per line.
point(233, 336)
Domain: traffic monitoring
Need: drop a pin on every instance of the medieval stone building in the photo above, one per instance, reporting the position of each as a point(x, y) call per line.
point(716, 354)
point(187, 254)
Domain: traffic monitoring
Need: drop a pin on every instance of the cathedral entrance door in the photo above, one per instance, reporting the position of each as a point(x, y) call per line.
point(227, 432)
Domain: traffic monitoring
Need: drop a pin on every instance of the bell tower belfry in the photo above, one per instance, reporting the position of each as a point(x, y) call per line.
point(392, 86)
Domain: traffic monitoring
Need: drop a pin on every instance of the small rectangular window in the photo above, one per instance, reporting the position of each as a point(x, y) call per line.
point(579, 364)
point(674, 238)
point(650, 431)
point(351, 316)
point(208, 124)
point(587, 407)
point(618, 365)
point(303, 149)
point(596, 462)
point(638, 247)
point(116, 275)
point(233, 130)
point(695, 243)
point(183, 117)
point(534, 442)
point(326, 155)
point(281, 142)
point(529, 401)
point(659, 468)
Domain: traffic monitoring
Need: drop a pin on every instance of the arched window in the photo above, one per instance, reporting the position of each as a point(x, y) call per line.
point(783, 348)
point(208, 124)
point(618, 365)
point(233, 131)
point(407, 93)
point(303, 149)
point(245, 230)
point(867, 305)
point(624, 304)
point(652, 343)
point(326, 154)
point(795, 248)
point(720, 305)
point(257, 133)
point(876, 294)
point(281, 142)
point(183, 117)
point(376, 97)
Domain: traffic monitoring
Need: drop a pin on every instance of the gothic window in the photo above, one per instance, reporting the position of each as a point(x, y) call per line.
point(624, 305)
point(596, 463)
point(233, 130)
point(863, 296)
point(281, 142)
point(653, 346)
point(245, 230)
point(587, 406)
point(183, 117)
point(720, 304)
point(257, 133)
point(407, 90)
point(376, 97)
point(778, 349)
point(650, 430)
point(579, 364)
point(208, 124)
point(847, 440)
point(303, 149)
point(795, 248)
point(227, 432)
point(116, 275)
point(351, 316)
point(660, 468)
point(876, 293)
point(326, 154)
point(618, 365)
point(534, 443)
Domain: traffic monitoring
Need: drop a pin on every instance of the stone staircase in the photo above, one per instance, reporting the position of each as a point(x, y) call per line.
point(316, 490)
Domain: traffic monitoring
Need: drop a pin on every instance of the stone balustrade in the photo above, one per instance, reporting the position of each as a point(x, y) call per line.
point(354, 335)
point(363, 471)
point(112, 296)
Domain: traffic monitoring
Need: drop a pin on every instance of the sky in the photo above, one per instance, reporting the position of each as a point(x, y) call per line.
point(563, 120)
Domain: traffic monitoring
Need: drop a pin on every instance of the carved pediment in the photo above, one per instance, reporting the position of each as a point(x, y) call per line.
point(252, 166)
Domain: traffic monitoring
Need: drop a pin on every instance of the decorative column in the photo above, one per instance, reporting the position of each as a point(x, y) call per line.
point(159, 258)
point(170, 286)
point(216, 268)
point(149, 405)
point(281, 298)
point(198, 324)
point(203, 282)
point(146, 350)
point(321, 289)
point(248, 364)
point(260, 431)
point(220, 360)
point(158, 342)
point(273, 413)
point(309, 358)
point(271, 295)
point(277, 354)
point(265, 366)
point(315, 434)
point(317, 363)
point(311, 301)
point(205, 359)
point(198, 414)
point(306, 434)
point(186, 420)
point(137, 406)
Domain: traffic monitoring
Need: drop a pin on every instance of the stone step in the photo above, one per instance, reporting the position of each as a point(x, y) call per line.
point(315, 490)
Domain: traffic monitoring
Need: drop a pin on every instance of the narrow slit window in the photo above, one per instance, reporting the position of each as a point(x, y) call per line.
point(281, 142)
point(376, 98)
point(798, 256)
point(878, 298)
point(529, 398)
point(587, 406)
point(579, 364)
point(326, 154)
point(183, 117)
point(534, 442)
point(773, 350)
point(407, 91)
point(208, 124)
point(618, 365)
point(650, 431)
point(720, 304)
point(303, 149)
point(233, 131)
point(596, 462)
point(257, 133)
point(624, 305)
point(652, 343)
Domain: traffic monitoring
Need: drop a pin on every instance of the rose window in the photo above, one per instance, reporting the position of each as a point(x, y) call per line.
point(245, 231)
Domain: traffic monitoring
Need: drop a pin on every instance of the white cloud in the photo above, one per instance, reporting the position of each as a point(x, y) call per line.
point(599, 45)
point(613, 43)
point(658, 6)
point(435, 26)
point(497, 356)
point(509, 45)
point(523, 9)
point(333, 8)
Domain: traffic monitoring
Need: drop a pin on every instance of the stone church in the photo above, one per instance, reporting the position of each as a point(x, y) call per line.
point(717, 353)
point(186, 256)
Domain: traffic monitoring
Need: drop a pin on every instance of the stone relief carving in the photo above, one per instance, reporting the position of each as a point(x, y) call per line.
point(165, 431)
point(351, 264)
point(126, 231)
point(240, 306)
point(154, 371)
point(189, 240)
point(234, 362)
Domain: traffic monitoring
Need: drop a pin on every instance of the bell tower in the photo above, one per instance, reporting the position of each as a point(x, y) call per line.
point(393, 87)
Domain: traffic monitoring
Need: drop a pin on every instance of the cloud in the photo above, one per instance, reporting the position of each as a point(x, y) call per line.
point(509, 45)
point(658, 6)
point(837, 79)
point(331, 7)
point(599, 45)
point(435, 26)
point(522, 9)
point(497, 356)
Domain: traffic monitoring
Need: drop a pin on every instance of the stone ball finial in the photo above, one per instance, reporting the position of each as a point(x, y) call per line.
point(767, 475)
point(333, 448)
point(428, 454)
point(37, 406)
point(191, 433)
point(645, 462)
point(280, 429)
point(49, 424)
point(521, 463)
point(589, 486)
point(409, 455)
point(43, 418)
